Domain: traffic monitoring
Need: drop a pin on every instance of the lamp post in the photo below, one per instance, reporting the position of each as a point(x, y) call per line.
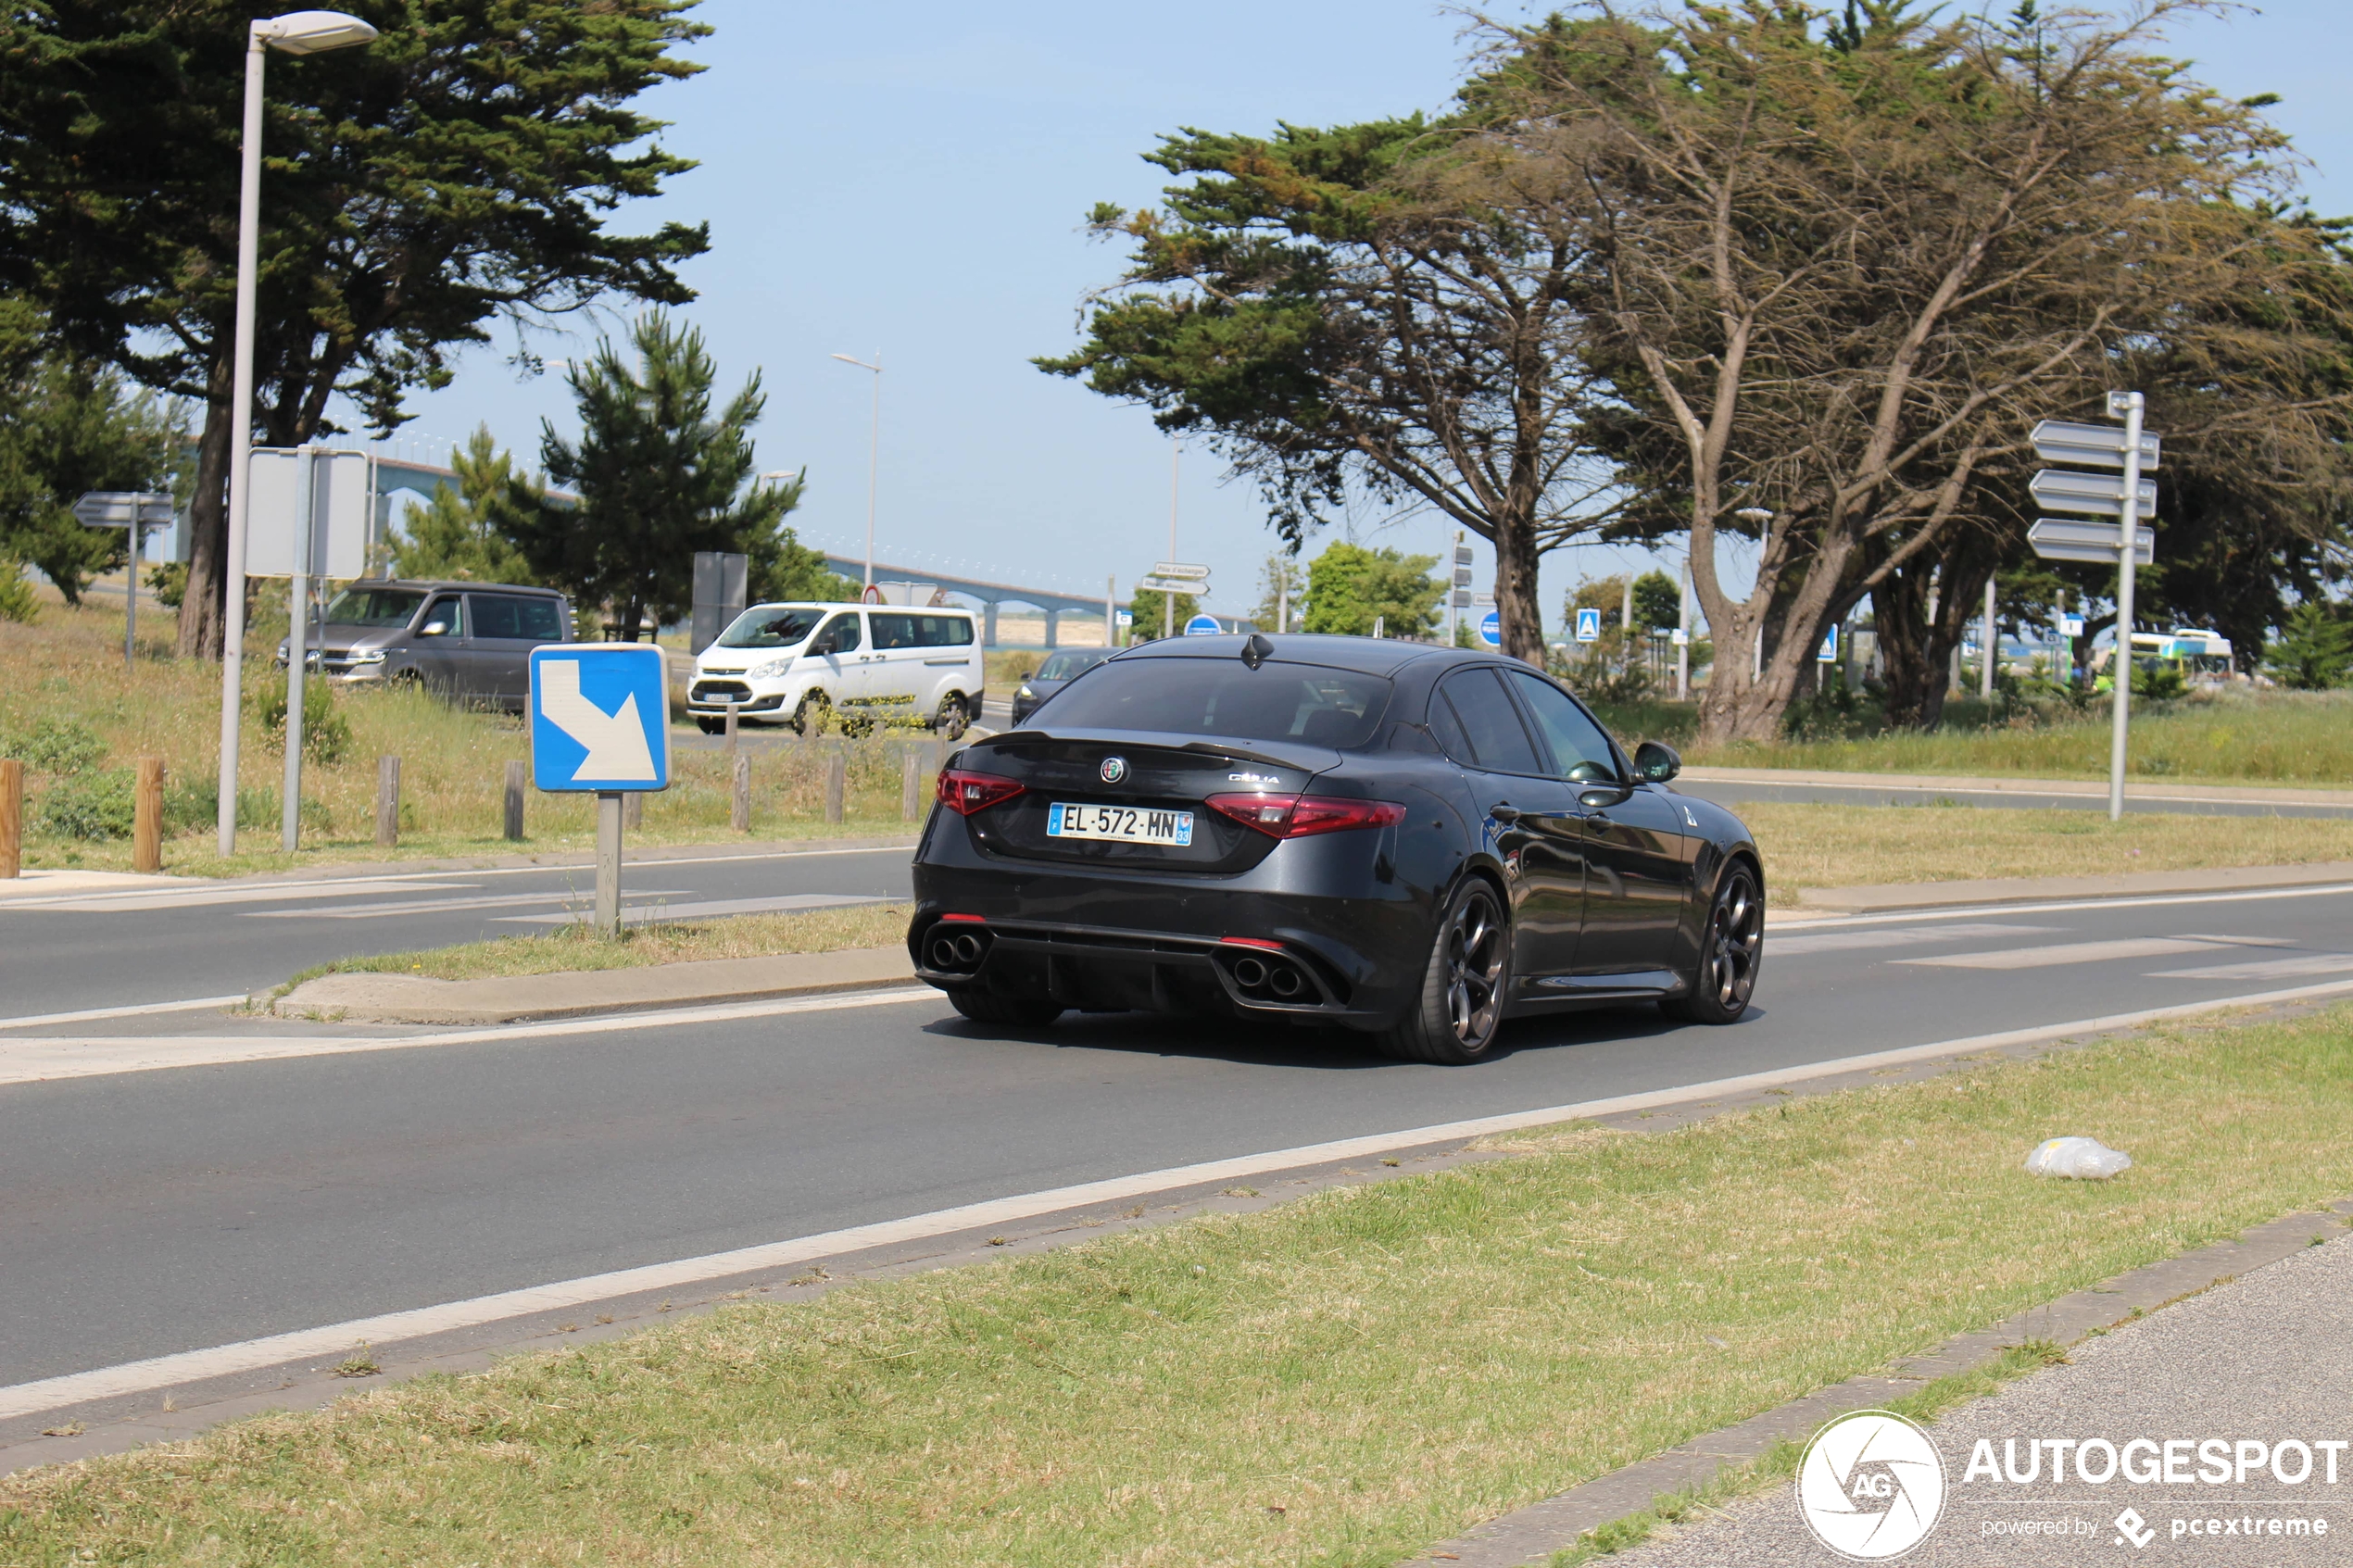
point(297, 33)
point(1759, 515)
point(874, 454)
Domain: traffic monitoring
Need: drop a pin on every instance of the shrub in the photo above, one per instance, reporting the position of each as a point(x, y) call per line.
point(192, 805)
point(90, 804)
point(64, 746)
point(326, 734)
point(18, 601)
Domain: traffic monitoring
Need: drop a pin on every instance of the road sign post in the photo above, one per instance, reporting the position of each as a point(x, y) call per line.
point(136, 510)
point(298, 648)
point(2127, 498)
point(600, 725)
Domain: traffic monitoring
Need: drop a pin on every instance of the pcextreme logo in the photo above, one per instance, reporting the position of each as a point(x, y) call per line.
point(1871, 1486)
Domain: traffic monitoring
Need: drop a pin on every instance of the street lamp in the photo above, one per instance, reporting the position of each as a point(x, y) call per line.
point(297, 33)
point(874, 454)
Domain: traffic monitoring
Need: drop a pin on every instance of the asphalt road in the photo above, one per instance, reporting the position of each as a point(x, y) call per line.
point(69, 952)
point(164, 1211)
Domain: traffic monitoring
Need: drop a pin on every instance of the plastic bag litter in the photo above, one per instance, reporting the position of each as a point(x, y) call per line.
point(2085, 1160)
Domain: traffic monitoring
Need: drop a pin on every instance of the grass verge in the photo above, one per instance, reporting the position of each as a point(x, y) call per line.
point(573, 947)
point(1342, 1380)
point(1864, 846)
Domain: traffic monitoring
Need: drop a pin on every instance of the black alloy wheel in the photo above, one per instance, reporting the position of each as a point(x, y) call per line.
point(1460, 1009)
point(1731, 951)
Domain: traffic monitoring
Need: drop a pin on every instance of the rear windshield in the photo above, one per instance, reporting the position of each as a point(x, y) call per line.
point(765, 627)
point(1062, 666)
point(1224, 698)
point(374, 607)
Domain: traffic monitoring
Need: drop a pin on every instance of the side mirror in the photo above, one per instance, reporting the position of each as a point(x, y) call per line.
point(1027, 673)
point(434, 629)
point(1656, 761)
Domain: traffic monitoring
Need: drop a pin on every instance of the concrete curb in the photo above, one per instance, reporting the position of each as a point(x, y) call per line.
point(2023, 889)
point(1536, 1532)
point(413, 998)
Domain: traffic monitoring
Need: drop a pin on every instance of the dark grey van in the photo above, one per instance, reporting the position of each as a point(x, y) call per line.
point(468, 640)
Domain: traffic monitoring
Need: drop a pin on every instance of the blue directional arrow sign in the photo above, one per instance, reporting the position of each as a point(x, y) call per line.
point(600, 717)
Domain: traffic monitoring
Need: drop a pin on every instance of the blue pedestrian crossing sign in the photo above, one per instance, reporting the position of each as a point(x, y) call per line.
point(1589, 625)
point(1202, 626)
point(1490, 629)
point(600, 717)
point(1828, 652)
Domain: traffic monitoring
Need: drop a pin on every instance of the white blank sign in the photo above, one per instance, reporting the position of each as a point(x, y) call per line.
point(338, 514)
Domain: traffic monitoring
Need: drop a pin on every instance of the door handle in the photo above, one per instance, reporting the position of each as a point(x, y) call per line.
point(1504, 811)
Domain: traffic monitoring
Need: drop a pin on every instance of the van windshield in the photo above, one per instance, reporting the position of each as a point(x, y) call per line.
point(374, 606)
point(764, 626)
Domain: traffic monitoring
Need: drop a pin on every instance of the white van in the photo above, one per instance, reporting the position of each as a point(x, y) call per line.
point(788, 662)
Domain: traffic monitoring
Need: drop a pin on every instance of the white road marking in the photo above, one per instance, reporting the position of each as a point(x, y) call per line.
point(2075, 952)
point(2265, 968)
point(449, 906)
point(91, 1015)
point(1808, 941)
point(199, 898)
point(640, 913)
point(2062, 906)
point(39, 1059)
point(163, 1372)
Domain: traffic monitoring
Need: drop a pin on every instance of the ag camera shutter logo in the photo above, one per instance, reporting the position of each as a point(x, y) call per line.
point(1871, 1486)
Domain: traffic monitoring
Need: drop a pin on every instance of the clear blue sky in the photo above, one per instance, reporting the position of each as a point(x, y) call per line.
point(915, 186)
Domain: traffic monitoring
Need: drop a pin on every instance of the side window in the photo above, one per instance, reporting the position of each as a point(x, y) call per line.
point(1499, 740)
point(944, 632)
point(450, 610)
point(893, 632)
point(514, 616)
point(840, 635)
point(542, 619)
point(1448, 729)
point(1580, 751)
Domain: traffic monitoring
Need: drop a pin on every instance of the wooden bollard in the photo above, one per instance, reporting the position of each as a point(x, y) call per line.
point(910, 783)
point(739, 809)
point(11, 817)
point(387, 802)
point(146, 818)
point(836, 785)
point(514, 802)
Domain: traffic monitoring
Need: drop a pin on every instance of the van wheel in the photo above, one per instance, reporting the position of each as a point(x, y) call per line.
point(951, 720)
point(809, 717)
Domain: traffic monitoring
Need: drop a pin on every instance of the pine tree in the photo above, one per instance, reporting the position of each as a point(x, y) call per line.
point(468, 530)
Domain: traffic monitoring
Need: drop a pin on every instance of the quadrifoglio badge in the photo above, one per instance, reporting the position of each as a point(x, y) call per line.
point(1872, 1485)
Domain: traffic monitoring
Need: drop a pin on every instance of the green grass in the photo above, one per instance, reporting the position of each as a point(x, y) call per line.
point(2233, 736)
point(66, 669)
point(1342, 1380)
point(575, 947)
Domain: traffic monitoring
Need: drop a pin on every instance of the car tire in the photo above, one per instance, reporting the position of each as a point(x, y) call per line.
point(1731, 953)
point(1457, 1016)
point(712, 726)
point(953, 717)
point(808, 715)
point(1025, 1013)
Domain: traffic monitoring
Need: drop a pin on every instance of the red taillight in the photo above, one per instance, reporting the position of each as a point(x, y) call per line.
point(1296, 816)
point(964, 792)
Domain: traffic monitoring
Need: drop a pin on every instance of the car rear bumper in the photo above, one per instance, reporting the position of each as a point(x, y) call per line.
point(1278, 942)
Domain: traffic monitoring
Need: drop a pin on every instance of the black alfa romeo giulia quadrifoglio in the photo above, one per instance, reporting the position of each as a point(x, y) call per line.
point(1414, 842)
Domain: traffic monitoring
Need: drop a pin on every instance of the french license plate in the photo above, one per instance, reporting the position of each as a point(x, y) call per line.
point(1121, 824)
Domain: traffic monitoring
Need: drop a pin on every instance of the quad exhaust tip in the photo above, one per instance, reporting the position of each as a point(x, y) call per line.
point(1275, 977)
point(959, 951)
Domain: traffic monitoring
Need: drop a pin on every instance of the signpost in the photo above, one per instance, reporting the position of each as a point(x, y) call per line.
point(720, 577)
point(2127, 497)
point(1589, 625)
point(136, 510)
point(600, 725)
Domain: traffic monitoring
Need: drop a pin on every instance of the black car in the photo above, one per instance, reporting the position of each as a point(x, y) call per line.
point(1414, 842)
point(1049, 677)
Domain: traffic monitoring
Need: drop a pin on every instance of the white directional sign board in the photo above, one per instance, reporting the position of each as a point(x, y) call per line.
point(2093, 446)
point(2089, 494)
point(124, 509)
point(600, 717)
point(2060, 539)
point(338, 513)
point(1173, 585)
point(1180, 569)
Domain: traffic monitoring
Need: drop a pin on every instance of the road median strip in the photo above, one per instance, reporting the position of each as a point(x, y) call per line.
point(1370, 1368)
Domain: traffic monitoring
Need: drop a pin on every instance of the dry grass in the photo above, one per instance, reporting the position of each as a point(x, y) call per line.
point(1861, 845)
point(67, 666)
point(570, 947)
point(1339, 1380)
